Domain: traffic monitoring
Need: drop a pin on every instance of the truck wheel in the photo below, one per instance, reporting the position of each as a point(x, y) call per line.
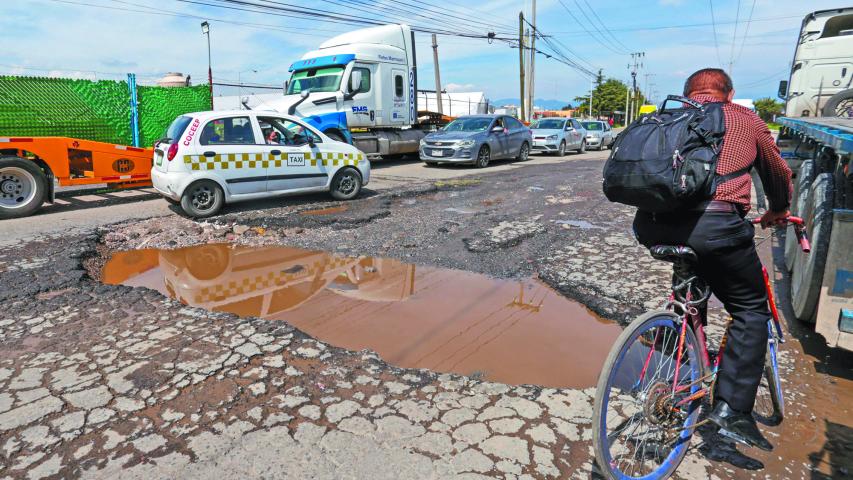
point(805, 177)
point(807, 276)
point(203, 199)
point(335, 136)
point(346, 184)
point(839, 105)
point(23, 187)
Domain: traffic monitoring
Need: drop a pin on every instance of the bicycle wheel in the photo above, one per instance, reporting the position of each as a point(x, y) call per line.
point(642, 417)
point(769, 406)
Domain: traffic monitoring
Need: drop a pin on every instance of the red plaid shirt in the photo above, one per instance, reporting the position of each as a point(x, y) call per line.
point(748, 140)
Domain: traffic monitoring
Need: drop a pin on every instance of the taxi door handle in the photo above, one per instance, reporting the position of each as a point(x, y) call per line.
point(275, 152)
point(209, 154)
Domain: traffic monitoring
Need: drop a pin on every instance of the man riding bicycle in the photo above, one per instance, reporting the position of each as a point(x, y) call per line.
point(728, 260)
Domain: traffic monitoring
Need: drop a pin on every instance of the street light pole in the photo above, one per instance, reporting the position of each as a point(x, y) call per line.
point(205, 29)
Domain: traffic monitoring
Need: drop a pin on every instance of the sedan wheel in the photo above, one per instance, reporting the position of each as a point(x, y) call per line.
point(203, 199)
point(483, 157)
point(583, 147)
point(346, 184)
point(524, 152)
point(562, 149)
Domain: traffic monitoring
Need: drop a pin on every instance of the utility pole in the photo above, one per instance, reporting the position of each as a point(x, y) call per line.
point(437, 74)
point(627, 100)
point(521, 62)
point(637, 63)
point(590, 99)
point(532, 64)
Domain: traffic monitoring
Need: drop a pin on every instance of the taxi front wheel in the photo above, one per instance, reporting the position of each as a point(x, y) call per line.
point(203, 199)
point(346, 184)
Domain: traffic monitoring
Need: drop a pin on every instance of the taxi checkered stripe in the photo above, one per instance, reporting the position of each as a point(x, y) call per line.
point(226, 161)
point(234, 288)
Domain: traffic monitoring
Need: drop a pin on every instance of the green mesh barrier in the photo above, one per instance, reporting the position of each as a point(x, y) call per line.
point(99, 110)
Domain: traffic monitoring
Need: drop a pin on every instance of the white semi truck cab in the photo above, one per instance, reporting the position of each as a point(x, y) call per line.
point(816, 140)
point(821, 78)
point(360, 87)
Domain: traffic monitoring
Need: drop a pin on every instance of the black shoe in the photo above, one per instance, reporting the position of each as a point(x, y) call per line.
point(738, 426)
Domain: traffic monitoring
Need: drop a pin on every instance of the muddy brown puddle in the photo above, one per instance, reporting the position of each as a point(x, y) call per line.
point(416, 317)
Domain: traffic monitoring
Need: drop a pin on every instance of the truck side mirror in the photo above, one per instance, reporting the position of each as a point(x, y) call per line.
point(783, 89)
point(286, 86)
point(355, 81)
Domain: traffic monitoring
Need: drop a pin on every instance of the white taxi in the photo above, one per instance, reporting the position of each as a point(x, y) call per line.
point(208, 159)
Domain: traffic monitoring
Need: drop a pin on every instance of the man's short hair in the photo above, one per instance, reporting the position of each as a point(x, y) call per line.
point(708, 80)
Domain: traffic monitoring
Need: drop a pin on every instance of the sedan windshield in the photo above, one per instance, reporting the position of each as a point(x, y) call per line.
point(468, 125)
point(549, 124)
point(593, 126)
point(316, 79)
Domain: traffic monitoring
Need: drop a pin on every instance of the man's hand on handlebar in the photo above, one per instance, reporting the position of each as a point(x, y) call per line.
point(771, 218)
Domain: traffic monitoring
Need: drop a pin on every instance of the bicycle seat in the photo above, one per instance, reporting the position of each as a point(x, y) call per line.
point(674, 253)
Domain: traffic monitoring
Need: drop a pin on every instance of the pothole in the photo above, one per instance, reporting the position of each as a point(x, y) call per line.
point(517, 332)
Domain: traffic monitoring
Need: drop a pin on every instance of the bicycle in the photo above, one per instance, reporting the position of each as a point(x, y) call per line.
point(660, 370)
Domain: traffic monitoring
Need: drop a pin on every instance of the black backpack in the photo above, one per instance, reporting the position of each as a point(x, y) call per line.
point(667, 160)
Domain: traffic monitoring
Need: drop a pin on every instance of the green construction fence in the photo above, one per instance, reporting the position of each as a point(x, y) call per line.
point(92, 110)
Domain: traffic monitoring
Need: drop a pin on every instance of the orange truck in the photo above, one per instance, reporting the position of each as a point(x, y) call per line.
point(29, 165)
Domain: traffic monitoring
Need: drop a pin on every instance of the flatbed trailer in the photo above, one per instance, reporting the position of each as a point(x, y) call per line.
point(29, 165)
point(819, 152)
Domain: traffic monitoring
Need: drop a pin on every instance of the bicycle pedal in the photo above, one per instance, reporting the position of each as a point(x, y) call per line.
point(734, 436)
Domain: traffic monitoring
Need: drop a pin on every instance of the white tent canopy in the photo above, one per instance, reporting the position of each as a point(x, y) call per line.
point(454, 104)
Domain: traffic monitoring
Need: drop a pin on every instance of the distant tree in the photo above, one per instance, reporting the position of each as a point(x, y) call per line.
point(767, 107)
point(566, 107)
point(607, 97)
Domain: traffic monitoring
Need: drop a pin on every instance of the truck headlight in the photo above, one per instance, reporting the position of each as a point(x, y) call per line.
point(551, 137)
point(466, 143)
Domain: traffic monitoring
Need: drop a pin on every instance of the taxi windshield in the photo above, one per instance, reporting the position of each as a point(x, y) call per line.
point(549, 124)
point(593, 126)
point(468, 125)
point(326, 79)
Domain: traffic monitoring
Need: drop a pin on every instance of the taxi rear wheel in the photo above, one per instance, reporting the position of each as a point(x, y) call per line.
point(346, 184)
point(203, 199)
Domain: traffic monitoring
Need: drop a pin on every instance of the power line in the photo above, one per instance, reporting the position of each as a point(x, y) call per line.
point(714, 25)
point(734, 38)
point(769, 77)
point(678, 26)
point(616, 39)
point(746, 32)
point(605, 44)
point(598, 30)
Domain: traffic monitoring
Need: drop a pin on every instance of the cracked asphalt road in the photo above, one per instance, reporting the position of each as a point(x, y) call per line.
point(101, 381)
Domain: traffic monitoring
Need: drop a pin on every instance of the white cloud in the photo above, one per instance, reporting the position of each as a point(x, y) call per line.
point(459, 87)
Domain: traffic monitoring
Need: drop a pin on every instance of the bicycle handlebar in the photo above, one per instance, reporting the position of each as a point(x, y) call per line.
point(799, 230)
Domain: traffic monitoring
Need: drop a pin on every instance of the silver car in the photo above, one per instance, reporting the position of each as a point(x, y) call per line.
point(477, 139)
point(556, 135)
point(599, 135)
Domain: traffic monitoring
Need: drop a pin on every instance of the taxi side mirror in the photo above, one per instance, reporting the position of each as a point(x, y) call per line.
point(311, 142)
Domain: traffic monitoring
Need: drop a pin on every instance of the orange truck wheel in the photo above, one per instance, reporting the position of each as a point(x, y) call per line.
point(23, 187)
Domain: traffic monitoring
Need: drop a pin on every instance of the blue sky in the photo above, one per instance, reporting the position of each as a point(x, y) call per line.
point(74, 38)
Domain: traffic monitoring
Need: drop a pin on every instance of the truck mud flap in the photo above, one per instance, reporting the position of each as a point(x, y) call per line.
point(835, 307)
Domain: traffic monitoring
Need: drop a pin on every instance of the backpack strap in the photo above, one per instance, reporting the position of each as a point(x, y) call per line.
point(737, 173)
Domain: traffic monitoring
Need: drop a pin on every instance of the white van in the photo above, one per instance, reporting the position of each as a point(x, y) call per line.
point(209, 159)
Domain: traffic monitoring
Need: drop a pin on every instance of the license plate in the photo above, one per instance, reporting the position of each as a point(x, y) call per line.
point(158, 159)
point(438, 153)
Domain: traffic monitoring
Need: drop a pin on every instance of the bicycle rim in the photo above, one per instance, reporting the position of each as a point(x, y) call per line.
point(641, 428)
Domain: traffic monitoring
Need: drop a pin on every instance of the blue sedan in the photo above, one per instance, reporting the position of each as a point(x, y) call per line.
point(477, 139)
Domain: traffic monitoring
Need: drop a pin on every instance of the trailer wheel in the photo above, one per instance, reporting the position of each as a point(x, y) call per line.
point(839, 105)
point(807, 276)
point(23, 187)
point(805, 177)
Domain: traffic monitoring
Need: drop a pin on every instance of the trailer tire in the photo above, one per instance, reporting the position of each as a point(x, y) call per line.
point(23, 187)
point(839, 105)
point(805, 177)
point(807, 275)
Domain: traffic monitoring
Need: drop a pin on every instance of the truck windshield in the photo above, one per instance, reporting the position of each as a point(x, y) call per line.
point(468, 125)
point(549, 124)
point(317, 79)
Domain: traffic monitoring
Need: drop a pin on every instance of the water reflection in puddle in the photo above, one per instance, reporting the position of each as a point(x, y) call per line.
point(325, 211)
point(424, 317)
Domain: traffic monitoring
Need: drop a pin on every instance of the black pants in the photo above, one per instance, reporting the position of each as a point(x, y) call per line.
point(729, 263)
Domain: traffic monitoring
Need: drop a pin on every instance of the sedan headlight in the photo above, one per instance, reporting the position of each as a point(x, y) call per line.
point(466, 143)
point(551, 137)
point(423, 143)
